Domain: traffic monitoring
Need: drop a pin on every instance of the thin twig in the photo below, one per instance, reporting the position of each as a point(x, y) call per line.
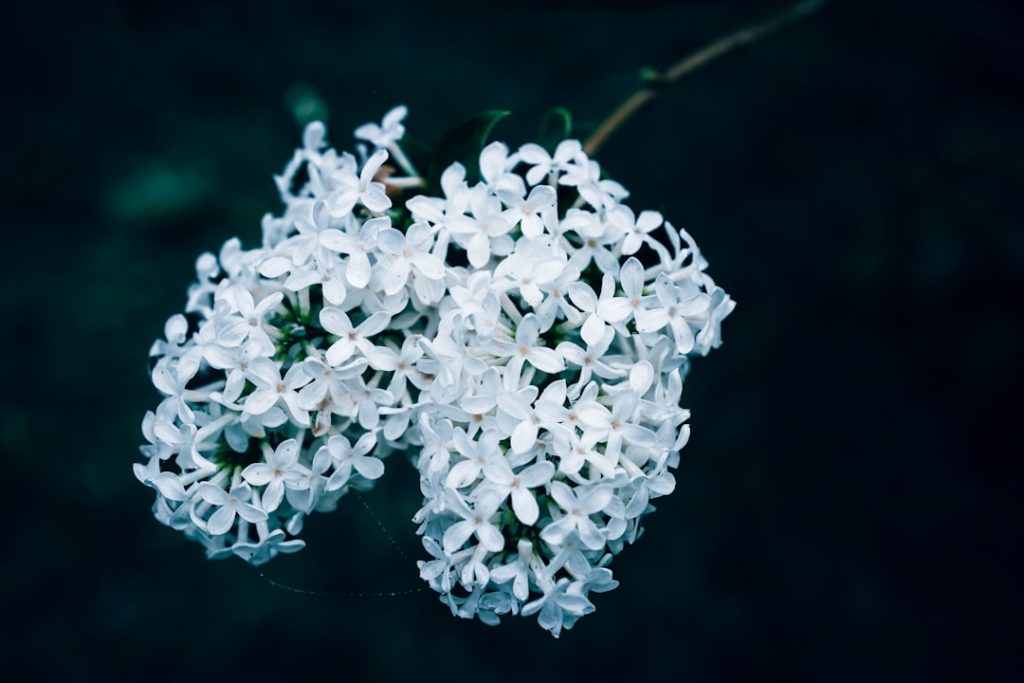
point(657, 81)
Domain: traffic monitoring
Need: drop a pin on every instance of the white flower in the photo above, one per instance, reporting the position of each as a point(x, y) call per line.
point(578, 507)
point(547, 412)
point(251, 323)
point(272, 388)
point(527, 212)
point(464, 331)
point(347, 457)
point(306, 495)
point(557, 606)
point(635, 228)
point(350, 338)
point(614, 425)
point(229, 504)
point(367, 399)
point(476, 454)
point(543, 164)
point(280, 471)
point(409, 251)
point(172, 379)
point(268, 547)
point(595, 238)
point(618, 309)
point(517, 571)
point(358, 246)
point(677, 309)
point(329, 391)
point(527, 349)
point(495, 164)
point(167, 484)
point(235, 361)
point(360, 189)
point(439, 570)
point(476, 521)
point(574, 451)
point(484, 233)
point(439, 211)
point(502, 479)
point(388, 132)
point(583, 297)
point(401, 365)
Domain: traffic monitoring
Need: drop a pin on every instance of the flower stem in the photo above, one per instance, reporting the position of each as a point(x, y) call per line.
point(722, 46)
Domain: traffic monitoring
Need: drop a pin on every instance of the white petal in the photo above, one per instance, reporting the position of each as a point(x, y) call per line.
point(525, 506)
point(396, 275)
point(556, 532)
point(590, 535)
point(463, 474)
point(272, 495)
point(221, 521)
point(357, 271)
point(429, 265)
point(562, 494)
point(490, 537)
point(651, 321)
point(456, 535)
point(251, 513)
point(614, 310)
point(546, 360)
point(371, 468)
point(593, 330)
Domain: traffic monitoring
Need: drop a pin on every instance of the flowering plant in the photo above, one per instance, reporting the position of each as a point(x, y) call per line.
point(502, 319)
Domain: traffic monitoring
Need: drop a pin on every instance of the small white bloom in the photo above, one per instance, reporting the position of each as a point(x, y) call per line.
point(502, 479)
point(357, 246)
point(280, 471)
point(476, 521)
point(676, 309)
point(229, 504)
point(362, 189)
point(388, 132)
point(635, 228)
point(527, 349)
point(578, 507)
point(409, 251)
point(527, 212)
point(350, 337)
point(272, 388)
point(347, 457)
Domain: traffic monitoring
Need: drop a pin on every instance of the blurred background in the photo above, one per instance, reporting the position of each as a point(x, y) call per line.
point(847, 506)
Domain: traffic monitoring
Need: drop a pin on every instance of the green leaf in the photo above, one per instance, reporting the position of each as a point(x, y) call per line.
point(555, 126)
point(463, 144)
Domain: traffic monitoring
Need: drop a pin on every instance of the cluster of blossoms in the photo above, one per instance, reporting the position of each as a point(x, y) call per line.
point(522, 339)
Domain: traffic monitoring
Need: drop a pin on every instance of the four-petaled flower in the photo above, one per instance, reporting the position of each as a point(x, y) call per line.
point(281, 470)
point(350, 337)
point(229, 504)
point(347, 457)
point(476, 521)
point(578, 506)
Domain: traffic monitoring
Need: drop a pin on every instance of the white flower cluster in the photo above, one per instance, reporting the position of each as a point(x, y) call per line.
point(522, 338)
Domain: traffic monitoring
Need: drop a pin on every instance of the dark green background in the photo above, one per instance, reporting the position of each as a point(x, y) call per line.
point(846, 509)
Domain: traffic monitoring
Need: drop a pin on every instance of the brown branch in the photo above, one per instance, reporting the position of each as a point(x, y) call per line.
point(720, 47)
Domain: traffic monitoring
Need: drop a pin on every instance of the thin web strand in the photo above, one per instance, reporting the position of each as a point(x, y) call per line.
point(351, 594)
